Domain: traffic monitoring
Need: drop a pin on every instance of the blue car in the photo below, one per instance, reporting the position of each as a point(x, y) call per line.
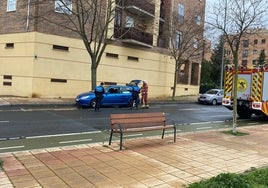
point(115, 95)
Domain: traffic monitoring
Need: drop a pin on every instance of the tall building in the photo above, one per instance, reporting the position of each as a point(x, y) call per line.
point(252, 44)
point(41, 59)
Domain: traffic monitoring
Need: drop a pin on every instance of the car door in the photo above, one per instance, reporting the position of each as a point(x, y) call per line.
point(111, 96)
point(125, 95)
point(220, 96)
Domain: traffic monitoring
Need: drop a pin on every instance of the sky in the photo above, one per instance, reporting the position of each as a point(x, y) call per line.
point(213, 34)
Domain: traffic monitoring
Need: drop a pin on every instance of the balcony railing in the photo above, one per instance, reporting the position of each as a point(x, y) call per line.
point(134, 36)
point(138, 7)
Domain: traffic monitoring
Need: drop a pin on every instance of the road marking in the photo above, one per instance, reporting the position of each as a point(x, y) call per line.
point(169, 131)
point(216, 121)
point(202, 128)
point(4, 121)
point(255, 123)
point(205, 122)
point(153, 107)
point(74, 141)
point(189, 109)
point(221, 116)
point(68, 134)
point(16, 138)
point(132, 135)
point(14, 147)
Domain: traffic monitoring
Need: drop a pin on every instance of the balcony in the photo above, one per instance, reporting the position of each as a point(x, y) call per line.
point(138, 7)
point(134, 36)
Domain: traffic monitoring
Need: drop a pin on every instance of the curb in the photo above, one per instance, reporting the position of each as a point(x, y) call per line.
point(31, 102)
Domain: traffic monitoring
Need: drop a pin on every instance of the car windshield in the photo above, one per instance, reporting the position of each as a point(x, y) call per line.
point(212, 92)
point(134, 82)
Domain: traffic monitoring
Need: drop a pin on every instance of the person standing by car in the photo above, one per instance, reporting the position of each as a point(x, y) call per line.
point(135, 96)
point(144, 94)
point(99, 91)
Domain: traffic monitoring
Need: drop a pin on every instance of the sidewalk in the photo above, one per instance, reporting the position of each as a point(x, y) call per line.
point(149, 162)
point(13, 100)
point(144, 162)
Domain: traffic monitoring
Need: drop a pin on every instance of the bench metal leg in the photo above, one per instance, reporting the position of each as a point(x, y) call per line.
point(111, 135)
point(121, 140)
point(163, 133)
point(175, 133)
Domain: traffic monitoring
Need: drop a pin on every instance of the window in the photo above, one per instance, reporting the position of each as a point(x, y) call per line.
point(11, 5)
point(132, 58)
point(58, 47)
point(245, 53)
point(255, 51)
point(9, 45)
point(112, 55)
point(63, 6)
point(58, 80)
point(255, 62)
point(117, 18)
point(129, 22)
point(7, 83)
point(256, 41)
point(227, 52)
point(7, 77)
point(198, 20)
point(245, 63)
point(245, 43)
point(263, 41)
point(178, 39)
point(195, 43)
point(180, 13)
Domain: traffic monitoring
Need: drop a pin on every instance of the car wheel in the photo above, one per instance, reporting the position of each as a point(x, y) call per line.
point(214, 102)
point(92, 103)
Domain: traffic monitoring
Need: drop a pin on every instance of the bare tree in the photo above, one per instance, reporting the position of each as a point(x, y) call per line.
point(235, 18)
point(91, 20)
point(186, 40)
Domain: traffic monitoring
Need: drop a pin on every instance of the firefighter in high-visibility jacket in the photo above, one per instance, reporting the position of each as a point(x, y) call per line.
point(144, 94)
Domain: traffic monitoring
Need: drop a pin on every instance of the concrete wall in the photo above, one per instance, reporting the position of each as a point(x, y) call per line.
point(38, 70)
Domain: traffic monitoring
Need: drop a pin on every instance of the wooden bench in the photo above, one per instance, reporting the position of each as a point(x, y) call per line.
point(138, 122)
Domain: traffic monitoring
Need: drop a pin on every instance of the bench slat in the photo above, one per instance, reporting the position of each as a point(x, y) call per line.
point(137, 120)
point(133, 130)
point(137, 115)
point(139, 125)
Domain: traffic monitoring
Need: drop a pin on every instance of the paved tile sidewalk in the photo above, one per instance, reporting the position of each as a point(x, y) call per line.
point(149, 162)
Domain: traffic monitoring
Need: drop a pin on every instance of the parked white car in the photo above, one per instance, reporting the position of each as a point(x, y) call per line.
point(212, 96)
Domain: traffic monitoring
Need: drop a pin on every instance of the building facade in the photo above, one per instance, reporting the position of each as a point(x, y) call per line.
point(39, 59)
point(253, 43)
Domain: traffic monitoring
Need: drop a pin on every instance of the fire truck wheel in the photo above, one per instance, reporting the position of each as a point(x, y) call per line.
point(244, 113)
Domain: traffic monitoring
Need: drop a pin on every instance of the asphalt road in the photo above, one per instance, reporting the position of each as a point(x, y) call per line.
point(24, 128)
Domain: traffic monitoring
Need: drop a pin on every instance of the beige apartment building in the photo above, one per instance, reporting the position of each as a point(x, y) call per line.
point(251, 46)
point(38, 59)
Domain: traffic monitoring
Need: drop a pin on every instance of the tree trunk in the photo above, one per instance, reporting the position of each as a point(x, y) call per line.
point(175, 80)
point(235, 95)
point(93, 73)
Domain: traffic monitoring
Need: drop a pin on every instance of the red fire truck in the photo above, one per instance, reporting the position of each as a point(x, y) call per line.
point(252, 91)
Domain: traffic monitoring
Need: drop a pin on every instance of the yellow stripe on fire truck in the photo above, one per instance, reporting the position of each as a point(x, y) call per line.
point(256, 86)
point(228, 84)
